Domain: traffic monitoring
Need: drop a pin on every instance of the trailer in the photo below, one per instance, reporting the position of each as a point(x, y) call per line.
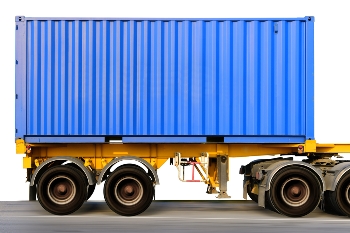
point(110, 100)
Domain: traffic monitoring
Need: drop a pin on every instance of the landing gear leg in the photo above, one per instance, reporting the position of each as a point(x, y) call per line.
point(222, 162)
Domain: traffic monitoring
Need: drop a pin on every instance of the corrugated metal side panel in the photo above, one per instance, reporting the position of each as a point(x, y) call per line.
point(125, 77)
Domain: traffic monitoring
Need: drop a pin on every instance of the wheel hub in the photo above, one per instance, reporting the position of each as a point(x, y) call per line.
point(61, 190)
point(295, 192)
point(128, 191)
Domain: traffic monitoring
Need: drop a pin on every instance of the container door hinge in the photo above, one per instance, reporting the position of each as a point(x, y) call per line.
point(19, 18)
point(16, 62)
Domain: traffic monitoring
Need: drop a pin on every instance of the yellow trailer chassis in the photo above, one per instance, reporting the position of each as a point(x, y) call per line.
point(262, 178)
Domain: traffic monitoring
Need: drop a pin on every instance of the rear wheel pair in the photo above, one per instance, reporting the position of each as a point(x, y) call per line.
point(63, 189)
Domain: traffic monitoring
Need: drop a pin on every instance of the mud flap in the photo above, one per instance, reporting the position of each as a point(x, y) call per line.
point(262, 190)
point(245, 187)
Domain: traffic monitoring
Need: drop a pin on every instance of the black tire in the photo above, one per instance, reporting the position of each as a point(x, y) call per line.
point(90, 191)
point(62, 190)
point(128, 191)
point(90, 188)
point(328, 205)
point(252, 196)
point(340, 198)
point(32, 193)
point(295, 191)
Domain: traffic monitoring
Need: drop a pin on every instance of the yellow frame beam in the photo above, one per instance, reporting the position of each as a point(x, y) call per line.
point(98, 155)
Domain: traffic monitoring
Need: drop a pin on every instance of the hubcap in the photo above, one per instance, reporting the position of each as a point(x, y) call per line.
point(295, 192)
point(128, 191)
point(61, 190)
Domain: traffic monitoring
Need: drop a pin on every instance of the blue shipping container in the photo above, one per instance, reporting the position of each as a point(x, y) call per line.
point(165, 80)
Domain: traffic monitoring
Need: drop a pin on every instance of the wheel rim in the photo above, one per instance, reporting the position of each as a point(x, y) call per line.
point(128, 191)
point(295, 192)
point(347, 193)
point(61, 190)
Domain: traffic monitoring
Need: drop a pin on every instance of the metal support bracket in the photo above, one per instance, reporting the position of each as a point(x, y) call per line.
point(201, 166)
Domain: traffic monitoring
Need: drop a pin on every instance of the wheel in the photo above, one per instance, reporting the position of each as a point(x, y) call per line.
point(128, 191)
point(294, 192)
point(252, 196)
point(340, 197)
point(62, 190)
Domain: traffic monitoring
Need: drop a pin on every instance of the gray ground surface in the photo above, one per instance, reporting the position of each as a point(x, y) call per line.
point(167, 216)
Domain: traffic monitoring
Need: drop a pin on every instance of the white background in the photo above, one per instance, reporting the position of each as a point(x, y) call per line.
point(332, 72)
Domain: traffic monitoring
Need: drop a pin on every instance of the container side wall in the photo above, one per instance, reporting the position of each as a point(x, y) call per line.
point(168, 77)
